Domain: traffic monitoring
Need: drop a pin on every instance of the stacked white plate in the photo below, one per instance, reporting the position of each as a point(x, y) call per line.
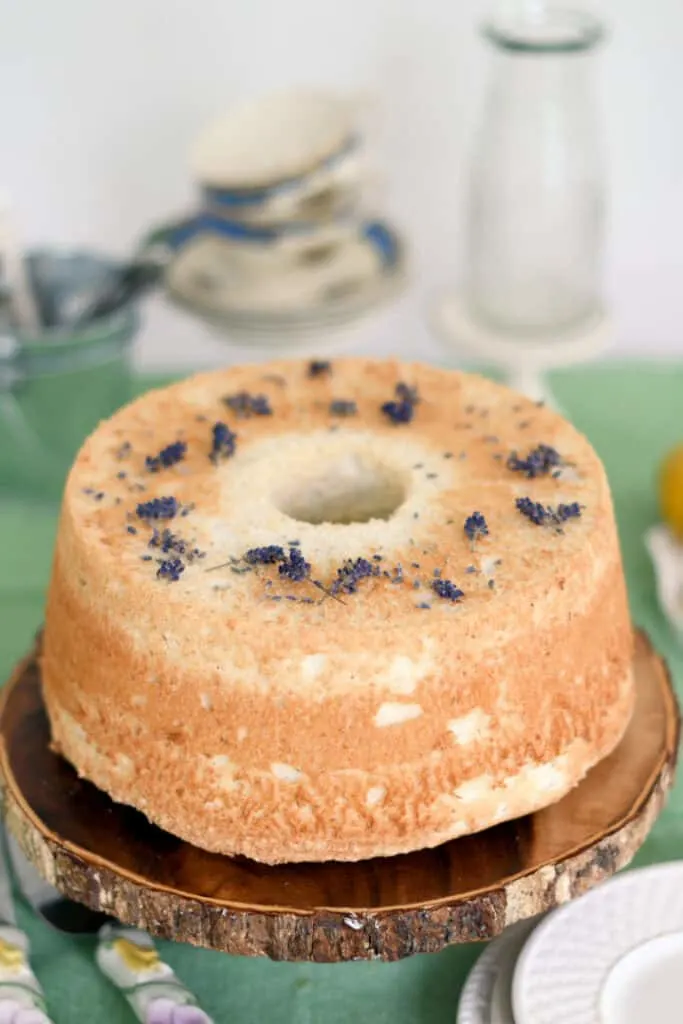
point(614, 956)
point(282, 243)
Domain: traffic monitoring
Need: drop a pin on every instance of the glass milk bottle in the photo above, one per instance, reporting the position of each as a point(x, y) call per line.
point(536, 204)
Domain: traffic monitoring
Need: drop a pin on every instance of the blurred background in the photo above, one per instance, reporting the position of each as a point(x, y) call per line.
point(102, 102)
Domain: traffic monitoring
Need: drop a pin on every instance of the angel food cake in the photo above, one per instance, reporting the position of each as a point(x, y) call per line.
point(314, 611)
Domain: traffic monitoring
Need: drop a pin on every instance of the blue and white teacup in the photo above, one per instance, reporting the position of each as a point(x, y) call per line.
point(292, 156)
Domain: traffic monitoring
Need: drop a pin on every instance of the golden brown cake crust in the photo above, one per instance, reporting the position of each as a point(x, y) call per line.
point(252, 713)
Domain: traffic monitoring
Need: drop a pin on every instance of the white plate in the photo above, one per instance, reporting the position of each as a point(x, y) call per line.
point(614, 956)
point(486, 997)
point(314, 337)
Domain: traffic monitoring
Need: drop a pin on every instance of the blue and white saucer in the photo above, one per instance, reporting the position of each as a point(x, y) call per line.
point(329, 279)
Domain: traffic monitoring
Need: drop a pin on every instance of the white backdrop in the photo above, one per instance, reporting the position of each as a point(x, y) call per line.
point(100, 102)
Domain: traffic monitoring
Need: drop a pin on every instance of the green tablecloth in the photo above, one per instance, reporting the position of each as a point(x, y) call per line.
point(632, 413)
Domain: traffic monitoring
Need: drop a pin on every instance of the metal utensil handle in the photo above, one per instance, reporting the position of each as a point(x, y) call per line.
point(127, 286)
point(160, 243)
point(18, 984)
point(130, 960)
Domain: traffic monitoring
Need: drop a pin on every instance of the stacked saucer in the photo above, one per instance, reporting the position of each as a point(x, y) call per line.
point(281, 244)
point(613, 956)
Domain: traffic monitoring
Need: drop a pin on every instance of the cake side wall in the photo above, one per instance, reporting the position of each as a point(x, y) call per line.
point(231, 777)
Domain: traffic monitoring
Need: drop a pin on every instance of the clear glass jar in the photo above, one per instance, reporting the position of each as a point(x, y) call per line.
point(535, 218)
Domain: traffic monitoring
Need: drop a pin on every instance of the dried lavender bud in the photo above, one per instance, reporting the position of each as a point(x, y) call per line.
point(402, 408)
point(539, 461)
point(533, 510)
point(447, 590)
point(295, 567)
point(476, 526)
point(407, 393)
point(245, 405)
point(398, 574)
point(542, 515)
point(351, 573)
point(268, 555)
point(170, 569)
point(158, 508)
point(168, 456)
point(168, 541)
point(319, 367)
point(223, 442)
point(124, 450)
point(570, 511)
point(398, 412)
point(342, 407)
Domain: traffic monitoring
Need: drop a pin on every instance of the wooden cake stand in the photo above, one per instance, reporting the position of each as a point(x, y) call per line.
point(110, 858)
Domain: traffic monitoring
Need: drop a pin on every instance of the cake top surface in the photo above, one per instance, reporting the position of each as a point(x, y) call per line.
point(317, 502)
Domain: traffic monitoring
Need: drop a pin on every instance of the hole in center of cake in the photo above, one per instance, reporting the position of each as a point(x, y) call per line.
point(351, 490)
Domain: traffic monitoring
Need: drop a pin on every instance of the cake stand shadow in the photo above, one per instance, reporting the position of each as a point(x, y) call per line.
point(110, 858)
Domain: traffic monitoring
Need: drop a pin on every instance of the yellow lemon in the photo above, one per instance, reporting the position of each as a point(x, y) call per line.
point(671, 490)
